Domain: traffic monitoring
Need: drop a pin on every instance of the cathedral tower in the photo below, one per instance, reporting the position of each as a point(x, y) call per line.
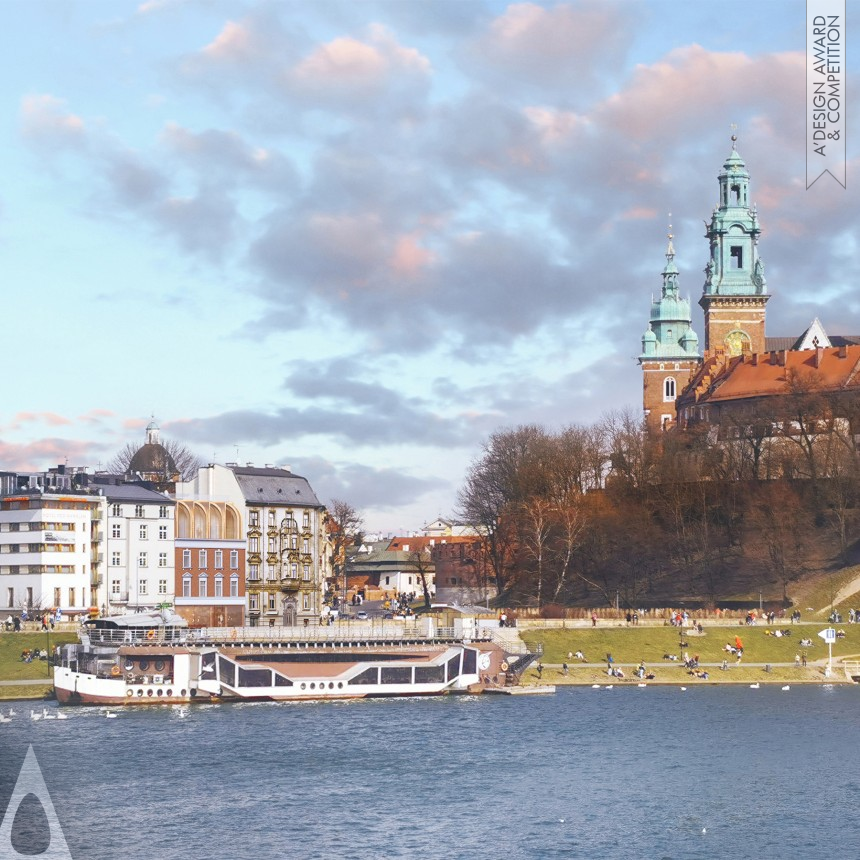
point(735, 292)
point(670, 350)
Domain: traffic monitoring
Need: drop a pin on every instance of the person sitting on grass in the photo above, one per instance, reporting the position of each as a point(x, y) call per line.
point(580, 656)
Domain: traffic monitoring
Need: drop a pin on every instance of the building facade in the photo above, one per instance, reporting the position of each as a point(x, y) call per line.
point(50, 533)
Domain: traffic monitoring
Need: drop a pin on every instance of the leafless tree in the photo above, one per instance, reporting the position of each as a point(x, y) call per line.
point(345, 526)
point(187, 462)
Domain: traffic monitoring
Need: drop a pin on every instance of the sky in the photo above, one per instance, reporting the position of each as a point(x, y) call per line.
point(356, 238)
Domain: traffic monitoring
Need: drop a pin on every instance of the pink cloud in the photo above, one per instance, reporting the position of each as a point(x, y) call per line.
point(41, 454)
point(94, 416)
point(234, 44)
point(49, 418)
point(409, 258)
point(637, 213)
point(46, 118)
point(350, 65)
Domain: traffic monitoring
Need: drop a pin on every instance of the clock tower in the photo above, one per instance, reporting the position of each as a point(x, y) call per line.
point(670, 350)
point(735, 291)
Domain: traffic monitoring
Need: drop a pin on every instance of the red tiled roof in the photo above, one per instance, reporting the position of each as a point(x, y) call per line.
point(828, 369)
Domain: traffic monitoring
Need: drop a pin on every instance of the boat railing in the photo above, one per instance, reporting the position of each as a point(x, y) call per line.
point(336, 633)
point(136, 635)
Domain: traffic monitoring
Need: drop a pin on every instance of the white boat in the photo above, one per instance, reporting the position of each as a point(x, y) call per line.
point(153, 658)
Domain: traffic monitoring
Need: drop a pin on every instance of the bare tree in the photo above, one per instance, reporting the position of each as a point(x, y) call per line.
point(423, 568)
point(345, 525)
point(187, 462)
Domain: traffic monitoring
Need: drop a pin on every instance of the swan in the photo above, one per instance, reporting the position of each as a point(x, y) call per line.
point(754, 686)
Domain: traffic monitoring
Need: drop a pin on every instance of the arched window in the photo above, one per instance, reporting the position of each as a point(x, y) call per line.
point(669, 389)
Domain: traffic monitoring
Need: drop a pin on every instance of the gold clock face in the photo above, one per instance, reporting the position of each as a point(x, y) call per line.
point(735, 341)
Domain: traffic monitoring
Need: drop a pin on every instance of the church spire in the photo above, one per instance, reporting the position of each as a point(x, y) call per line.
point(734, 276)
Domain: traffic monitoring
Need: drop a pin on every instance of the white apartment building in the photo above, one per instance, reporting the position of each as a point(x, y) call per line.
point(49, 540)
point(139, 555)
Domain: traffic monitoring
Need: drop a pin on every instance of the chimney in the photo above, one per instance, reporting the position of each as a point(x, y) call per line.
point(773, 357)
point(755, 359)
point(843, 351)
point(819, 354)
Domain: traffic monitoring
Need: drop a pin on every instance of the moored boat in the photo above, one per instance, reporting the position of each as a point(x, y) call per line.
point(153, 658)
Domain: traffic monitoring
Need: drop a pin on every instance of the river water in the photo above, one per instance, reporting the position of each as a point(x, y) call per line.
point(641, 773)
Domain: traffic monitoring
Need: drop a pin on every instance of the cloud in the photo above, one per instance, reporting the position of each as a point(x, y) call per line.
point(569, 46)
point(41, 454)
point(45, 121)
point(365, 486)
point(50, 418)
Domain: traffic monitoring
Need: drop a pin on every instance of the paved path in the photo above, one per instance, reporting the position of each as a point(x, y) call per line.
point(32, 681)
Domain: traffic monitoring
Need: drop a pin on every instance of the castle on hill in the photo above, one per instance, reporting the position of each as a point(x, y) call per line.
point(678, 381)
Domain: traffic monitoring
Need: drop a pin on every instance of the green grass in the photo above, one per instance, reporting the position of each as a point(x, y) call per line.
point(12, 644)
point(824, 589)
point(630, 645)
point(25, 691)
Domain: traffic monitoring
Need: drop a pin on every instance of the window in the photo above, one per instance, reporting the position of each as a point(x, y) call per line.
point(219, 586)
point(72, 600)
point(186, 586)
point(116, 559)
point(294, 542)
point(162, 532)
point(164, 512)
point(273, 546)
point(10, 597)
point(271, 602)
point(737, 254)
point(201, 559)
point(162, 586)
point(306, 519)
point(143, 532)
point(736, 195)
point(186, 558)
point(306, 572)
point(271, 518)
point(669, 389)
point(234, 559)
point(388, 580)
point(138, 510)
point(141, 560)
point(219, 559)
point(253, 544)
point(116, 510)
point(252, 602)
point(116, 530)
point(306, 546)
point(57, 598)
point(253, 519)
point(294, 570)
point(203, 586)
point(306, 601)
point(162, 559)
point(114, 587)
point(234, 586)
point(665, 421)
point(29, 596)
point(142, 587)
point(253, 571)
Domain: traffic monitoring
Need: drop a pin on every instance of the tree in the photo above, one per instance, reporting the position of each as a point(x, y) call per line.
point(187, 462)
point(344, 529)
point(423, 567)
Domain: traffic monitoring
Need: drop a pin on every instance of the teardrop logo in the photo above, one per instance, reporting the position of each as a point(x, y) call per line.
point(30, 826)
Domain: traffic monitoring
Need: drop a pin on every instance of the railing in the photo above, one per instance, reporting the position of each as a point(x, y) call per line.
point(394, 632)
point(852, 668)
point(137, 635)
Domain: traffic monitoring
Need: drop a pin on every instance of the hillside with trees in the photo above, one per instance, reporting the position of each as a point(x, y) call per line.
point(591, 515)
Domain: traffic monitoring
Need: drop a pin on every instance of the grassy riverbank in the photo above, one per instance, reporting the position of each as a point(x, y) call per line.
point(630, 645)
point(12, 668)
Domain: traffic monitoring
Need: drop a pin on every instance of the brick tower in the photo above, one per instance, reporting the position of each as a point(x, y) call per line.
point(735, 292)
point(670, 350)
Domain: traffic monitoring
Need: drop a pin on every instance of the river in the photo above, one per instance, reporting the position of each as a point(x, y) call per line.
point(629, 772)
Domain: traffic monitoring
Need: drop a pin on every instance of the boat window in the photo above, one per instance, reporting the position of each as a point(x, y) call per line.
point(368, 676)
point(281, 681)
point(226, 671)
point(255, 677)
point(470, 661)
point(159, 665)
point(144, 665)
point(453, 667)
point(429, 674)
point(396, 674)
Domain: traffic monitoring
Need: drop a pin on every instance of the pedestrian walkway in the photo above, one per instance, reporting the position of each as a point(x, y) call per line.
point(25, 683)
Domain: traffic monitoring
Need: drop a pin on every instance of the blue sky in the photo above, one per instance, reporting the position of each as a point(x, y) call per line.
point(357, 237)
